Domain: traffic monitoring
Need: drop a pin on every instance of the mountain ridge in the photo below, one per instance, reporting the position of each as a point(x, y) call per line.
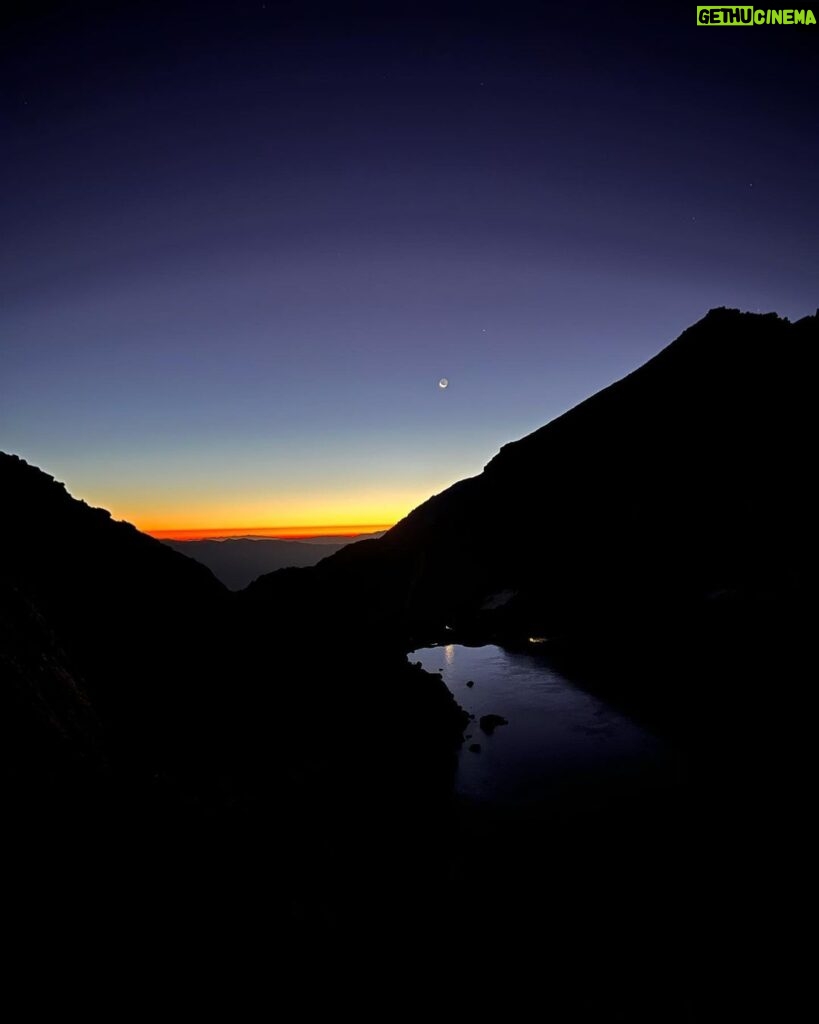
point(237, 561)
point(652, 489)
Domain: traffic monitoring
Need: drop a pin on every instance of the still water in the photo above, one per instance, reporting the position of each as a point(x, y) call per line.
point(561, 742)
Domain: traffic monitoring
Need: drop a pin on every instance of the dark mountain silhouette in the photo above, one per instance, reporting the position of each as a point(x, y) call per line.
point(142, 713)
point(129, 614)
point(237, 562)
point(676, 495)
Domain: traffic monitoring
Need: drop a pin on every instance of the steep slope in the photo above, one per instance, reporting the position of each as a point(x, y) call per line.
point(133, 619)
point(678, 489)
point(144, 715)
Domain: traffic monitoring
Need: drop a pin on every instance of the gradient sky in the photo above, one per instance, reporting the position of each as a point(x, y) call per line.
point(241, 242)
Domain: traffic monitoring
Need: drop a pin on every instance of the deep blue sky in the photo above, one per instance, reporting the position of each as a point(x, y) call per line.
point(242, 241)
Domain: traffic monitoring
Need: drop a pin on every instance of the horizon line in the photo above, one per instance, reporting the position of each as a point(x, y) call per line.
point(269, 532)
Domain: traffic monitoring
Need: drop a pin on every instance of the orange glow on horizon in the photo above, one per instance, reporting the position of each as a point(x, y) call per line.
point(271, 532)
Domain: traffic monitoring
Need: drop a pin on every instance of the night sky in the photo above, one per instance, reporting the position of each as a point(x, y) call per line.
point(242, 242)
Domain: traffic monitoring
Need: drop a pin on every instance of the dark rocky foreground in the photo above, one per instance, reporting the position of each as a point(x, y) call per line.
point(203, 762)
point(184, 762)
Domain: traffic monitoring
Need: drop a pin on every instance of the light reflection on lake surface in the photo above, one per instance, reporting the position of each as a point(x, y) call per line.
point(561, 742)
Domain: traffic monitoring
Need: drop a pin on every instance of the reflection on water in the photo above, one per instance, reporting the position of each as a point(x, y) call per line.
point(560, 741)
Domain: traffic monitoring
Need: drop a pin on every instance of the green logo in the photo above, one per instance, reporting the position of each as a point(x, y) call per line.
point(753, 16)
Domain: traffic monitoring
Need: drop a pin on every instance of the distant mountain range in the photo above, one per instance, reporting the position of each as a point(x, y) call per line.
point(237, 561)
